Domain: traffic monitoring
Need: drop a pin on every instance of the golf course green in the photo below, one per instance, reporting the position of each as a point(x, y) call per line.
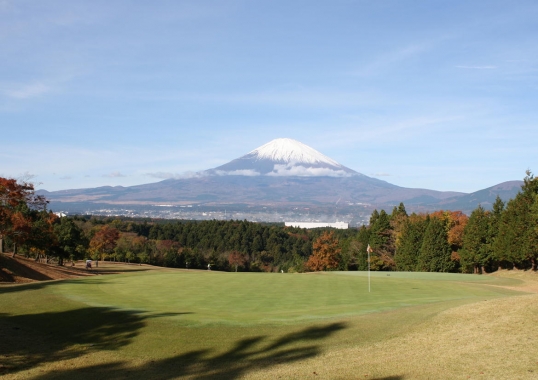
point(211, 297)
point(165, 323)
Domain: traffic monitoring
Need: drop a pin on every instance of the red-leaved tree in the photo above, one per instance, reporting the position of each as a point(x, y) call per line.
point(17, 201)
point(326, 253)
point(236, 259)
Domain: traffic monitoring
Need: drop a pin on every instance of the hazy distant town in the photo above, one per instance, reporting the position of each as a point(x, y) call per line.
point(353, 214)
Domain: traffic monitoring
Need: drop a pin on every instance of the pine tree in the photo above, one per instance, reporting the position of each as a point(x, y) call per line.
point(435, 253)
point(476, 253)
point(382, 243)
point(361, 243)
point(410, 242)
point(398, 218)
point(517, 239)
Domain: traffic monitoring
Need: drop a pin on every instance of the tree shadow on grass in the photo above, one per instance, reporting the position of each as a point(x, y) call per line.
point(9, 268)
point(247, 355)
point(32, 339)
point(9, 288)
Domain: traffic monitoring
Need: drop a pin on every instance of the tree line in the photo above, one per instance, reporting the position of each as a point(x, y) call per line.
point(442, 241)
point(450, 241)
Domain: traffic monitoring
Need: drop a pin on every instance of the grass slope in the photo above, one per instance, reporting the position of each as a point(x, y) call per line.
point(166, 324)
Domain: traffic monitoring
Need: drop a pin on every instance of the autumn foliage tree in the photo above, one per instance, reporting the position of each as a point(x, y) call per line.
point(454, 223)
point(325, 253)
point(104, 241)
point(236, 259)
point(17, 201)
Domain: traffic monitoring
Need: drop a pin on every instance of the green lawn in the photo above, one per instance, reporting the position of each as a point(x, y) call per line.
point(274, 298)
point(166, 324)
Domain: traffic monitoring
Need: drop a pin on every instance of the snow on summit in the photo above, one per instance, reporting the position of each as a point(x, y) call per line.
point(284, 157)
point(291, 151)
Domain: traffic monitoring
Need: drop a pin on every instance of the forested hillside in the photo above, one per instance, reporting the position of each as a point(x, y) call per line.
point(443, 241)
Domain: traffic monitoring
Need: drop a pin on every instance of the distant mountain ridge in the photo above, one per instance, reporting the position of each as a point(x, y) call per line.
point(284, 173)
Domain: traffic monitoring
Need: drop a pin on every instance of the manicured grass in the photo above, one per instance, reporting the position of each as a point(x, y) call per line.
point(254, 298)
point(161, 323)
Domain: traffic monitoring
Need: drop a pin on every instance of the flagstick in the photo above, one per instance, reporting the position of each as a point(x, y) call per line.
point(368, 250)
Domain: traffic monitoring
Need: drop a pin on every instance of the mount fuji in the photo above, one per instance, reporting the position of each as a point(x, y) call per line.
point(283, 174)
point(284, 157)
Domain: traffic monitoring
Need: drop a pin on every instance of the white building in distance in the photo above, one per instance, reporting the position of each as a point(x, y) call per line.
point(339, 225)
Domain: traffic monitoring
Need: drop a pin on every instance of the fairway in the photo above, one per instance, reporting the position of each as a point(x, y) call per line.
point(167, 323)
point(252, 298)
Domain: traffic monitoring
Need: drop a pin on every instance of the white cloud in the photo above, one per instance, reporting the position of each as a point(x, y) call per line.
point(380, 174)
point(169, 175)
point(162, 175)
point(301, 171)
point(386, 60)
point(476, 67)
point(245, 172)
point(27, 91)
point(304, 97)
point(114, 175)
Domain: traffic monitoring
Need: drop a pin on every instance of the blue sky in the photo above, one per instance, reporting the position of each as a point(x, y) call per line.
point(431, 94)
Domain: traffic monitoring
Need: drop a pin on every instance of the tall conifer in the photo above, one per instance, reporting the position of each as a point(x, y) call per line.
point(435, 252)
point(476, 253)
point(410, 242)
point(517, 240)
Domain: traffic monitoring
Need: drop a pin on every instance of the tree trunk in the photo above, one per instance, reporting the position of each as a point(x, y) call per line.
point(484, 270)
point(533, 264)
point(1, 244)
point(514, 267)
point(14, 249)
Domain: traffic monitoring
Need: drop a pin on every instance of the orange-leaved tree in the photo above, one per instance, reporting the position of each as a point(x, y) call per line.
point(104, 241)
point(326, 253)
point(454, 223)
point(17, 201)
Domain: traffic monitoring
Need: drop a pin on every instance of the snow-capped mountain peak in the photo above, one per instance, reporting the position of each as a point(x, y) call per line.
point(284, 157)
point(290, 151)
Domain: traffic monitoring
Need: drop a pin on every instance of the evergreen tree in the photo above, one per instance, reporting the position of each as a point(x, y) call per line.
point(517, 239)
point(435, 252)
point(476, 253)
point(382, 243)
point(359, 248)
point(70, 239)
point(398, 219)
point(410, 242)
point(373, 217)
